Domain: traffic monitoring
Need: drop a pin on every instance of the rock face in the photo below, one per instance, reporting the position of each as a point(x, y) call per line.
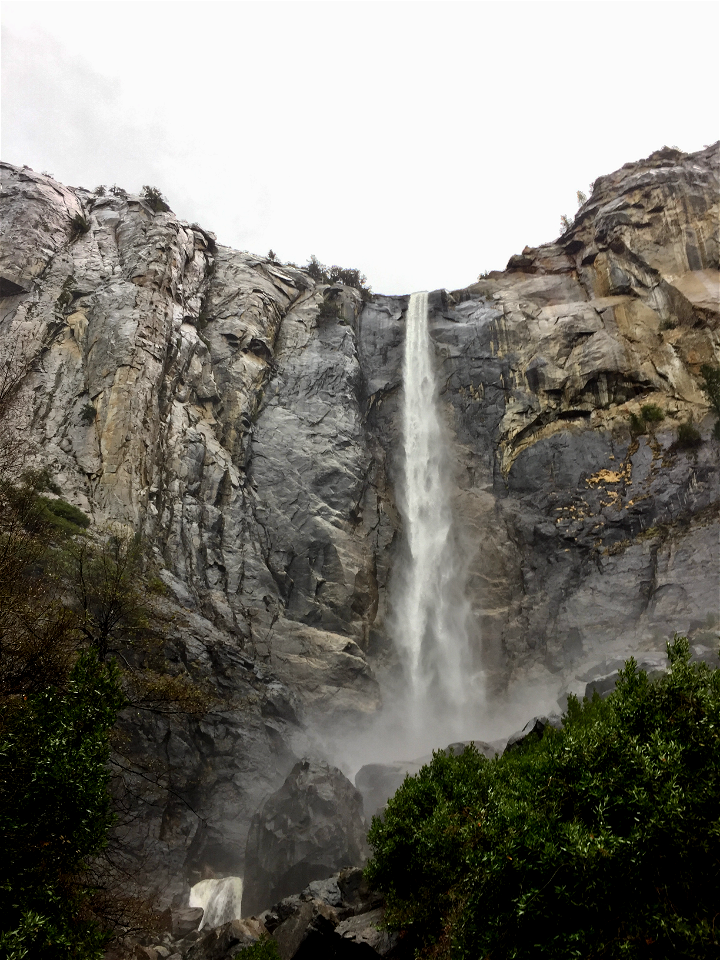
point(312, 826)
point(205, 398)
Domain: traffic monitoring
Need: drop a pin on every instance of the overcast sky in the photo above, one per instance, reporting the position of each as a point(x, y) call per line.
point(421, 142)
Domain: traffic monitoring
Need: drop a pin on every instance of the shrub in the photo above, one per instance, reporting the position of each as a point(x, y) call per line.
point(599, 840)
point(154, 199)
point(348, 277)
point(271, 255)
point(55, 812)
point(651, 413)
point(118, 192)
point(637, 426)
point(79, 226)
point(88, 413)
point(265, 949)
point(711, 386)
point(565, 223)
point(688, 436)
point(62, 516)
point(329, 310)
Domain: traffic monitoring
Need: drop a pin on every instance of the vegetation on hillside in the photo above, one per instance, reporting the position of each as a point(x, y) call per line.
point(71, 601)
point(348, 277)
point(600, 840)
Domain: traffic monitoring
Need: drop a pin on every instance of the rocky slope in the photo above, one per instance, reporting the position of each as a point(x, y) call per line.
point(209, 399)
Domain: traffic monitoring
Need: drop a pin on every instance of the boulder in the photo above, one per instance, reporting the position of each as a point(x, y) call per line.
point(226, 941)
point(185, 921)
point(533, 730)
point(311, 827)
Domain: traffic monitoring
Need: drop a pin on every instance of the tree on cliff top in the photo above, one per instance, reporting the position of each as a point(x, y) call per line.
point(601, 840)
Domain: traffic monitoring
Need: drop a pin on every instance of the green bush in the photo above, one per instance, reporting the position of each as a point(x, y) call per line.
point(637, 425)
point(79, 226)
point(711, 386)
point(265, 949)
point(348, 277)
point(63, 516)
point(154, 199)
point(88, 413)
point(651, 413)
point(688, 436)
point(55, 811)
point(599, 840)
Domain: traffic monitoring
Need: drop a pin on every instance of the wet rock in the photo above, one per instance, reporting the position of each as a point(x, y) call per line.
point(309, 828)
point(257, 449)
point(533, 730)
point(364, 931)
point(185, 921)
point(377, 782)
point(226, 941)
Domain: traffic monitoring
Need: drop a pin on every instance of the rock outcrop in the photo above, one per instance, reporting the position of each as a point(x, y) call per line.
point(312, 826)
point(208, 399)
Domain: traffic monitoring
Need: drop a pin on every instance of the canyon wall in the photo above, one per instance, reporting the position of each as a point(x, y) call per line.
point(245, 419)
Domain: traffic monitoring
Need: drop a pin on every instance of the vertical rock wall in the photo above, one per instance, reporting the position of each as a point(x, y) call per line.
point(245, 419)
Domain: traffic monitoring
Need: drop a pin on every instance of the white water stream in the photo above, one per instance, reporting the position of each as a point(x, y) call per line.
point(432, 614)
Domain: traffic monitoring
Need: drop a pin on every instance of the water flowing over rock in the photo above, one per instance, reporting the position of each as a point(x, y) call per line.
point(430, 621)
point(220, 900)
point(209, 400)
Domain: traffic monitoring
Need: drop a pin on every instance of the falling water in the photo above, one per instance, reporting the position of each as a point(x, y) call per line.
point(431, 610)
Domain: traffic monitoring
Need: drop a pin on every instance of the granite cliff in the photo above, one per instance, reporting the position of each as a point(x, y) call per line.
point(244, 418)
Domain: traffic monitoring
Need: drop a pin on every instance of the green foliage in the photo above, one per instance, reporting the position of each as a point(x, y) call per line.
point(637, 426)
point(154, 199)
point(581, 198)
point(271, 255)
point(106, 590)
point(651, 413)
point(55, 811)
point(711, 386)
point(688, 436)
point(88, 414)
point(599, 840)
point(118, 192)
point(265, 949)
point(565, 223)
point(347, 277)
point(79, 226)
point(329, 310)
point(62, 516)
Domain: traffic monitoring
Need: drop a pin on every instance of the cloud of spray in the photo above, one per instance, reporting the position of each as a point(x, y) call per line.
point(439, 694)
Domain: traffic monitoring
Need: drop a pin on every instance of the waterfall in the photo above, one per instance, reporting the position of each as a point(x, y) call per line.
point(220, 900)
point(431, 610)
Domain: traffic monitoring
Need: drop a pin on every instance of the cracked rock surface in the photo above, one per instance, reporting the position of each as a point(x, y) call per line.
point(203, 397)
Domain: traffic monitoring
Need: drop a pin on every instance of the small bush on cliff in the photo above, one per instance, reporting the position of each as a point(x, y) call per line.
point(711, 386)
point(688, 436)
point(348, 277)
point(650, 414)
point(600, 840)
point(154, 199)
point(79, 226)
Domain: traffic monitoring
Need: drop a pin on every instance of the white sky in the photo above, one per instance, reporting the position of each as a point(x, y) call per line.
point(421, 142)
